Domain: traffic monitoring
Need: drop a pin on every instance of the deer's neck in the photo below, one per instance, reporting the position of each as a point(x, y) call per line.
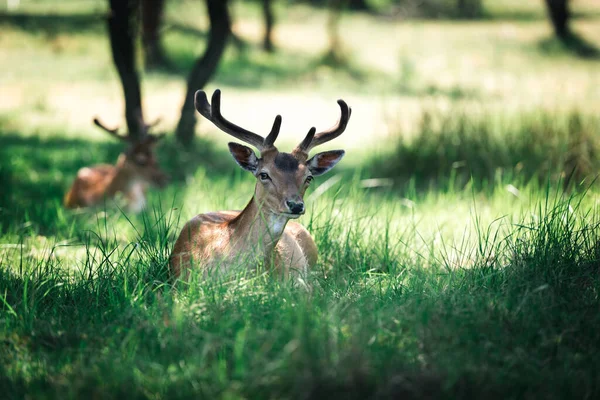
point(123, 180)
point(258, 228)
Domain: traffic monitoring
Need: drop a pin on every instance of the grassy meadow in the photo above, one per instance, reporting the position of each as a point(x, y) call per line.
point(459, 246)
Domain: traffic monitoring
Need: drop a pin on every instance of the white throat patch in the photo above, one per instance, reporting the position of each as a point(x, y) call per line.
point(277, 224)
point(137, 198)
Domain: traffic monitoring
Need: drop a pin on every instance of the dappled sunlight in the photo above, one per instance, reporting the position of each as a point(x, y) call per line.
point(457, 239)
point(489, 72)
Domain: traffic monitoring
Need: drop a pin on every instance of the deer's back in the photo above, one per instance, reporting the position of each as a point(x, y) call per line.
point(89, 186)
point(201, 238)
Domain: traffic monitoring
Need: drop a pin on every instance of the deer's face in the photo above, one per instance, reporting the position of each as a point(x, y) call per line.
point(282, 178)
point(141, 163)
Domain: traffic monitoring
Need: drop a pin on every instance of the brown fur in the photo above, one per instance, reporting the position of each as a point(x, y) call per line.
point(210, 242)
point(134, 171)
point(260, 232)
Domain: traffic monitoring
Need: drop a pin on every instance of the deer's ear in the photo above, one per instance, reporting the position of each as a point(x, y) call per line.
point(244, 156)
point(323, 162)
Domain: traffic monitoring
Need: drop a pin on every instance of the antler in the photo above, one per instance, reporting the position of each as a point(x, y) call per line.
point(115, 131)
point(151, 125)
point(313, 140)
point(213, 114)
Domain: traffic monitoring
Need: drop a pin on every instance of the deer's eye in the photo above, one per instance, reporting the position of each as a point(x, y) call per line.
point(309, 179)
point(264, 176)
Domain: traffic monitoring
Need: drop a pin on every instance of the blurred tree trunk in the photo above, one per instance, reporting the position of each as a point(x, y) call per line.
point(205, 66)
point(558, 11)
point(335, 54)
point(152, 15)
point(269, 22)
point(122, 29)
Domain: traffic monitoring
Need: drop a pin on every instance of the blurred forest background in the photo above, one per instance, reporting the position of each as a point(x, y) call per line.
point(401, 65)
point(458, 238)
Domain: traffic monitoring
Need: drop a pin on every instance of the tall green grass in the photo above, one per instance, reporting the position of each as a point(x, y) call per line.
point(454, 147)
point(521, 320)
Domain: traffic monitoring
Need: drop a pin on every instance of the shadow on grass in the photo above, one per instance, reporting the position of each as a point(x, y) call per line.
point(252, 68)
point(248, 66)
point(35, 172)
point(245, 64)
point(448, 12)
point(53, 24)
point(533, 15)
point(455, 92)
point(573, 45)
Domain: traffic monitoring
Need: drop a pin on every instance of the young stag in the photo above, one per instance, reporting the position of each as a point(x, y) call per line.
point(135, 170)
point(261, 232)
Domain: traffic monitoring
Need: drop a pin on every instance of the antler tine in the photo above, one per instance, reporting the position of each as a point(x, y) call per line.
point(146, 127)
point(202, 105)
point(213, 114)
point(270, 139)
point(313, 140)
point(304, 145)
point(114, 132)
point(152, 137)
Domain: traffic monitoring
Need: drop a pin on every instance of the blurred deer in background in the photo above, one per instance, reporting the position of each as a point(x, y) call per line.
point(135, 170)
point(261, 232)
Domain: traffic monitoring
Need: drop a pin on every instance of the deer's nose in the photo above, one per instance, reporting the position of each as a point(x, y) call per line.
point(295, 207)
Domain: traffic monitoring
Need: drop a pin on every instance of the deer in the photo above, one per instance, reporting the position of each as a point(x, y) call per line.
point(135, 170)
point(262, 232)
